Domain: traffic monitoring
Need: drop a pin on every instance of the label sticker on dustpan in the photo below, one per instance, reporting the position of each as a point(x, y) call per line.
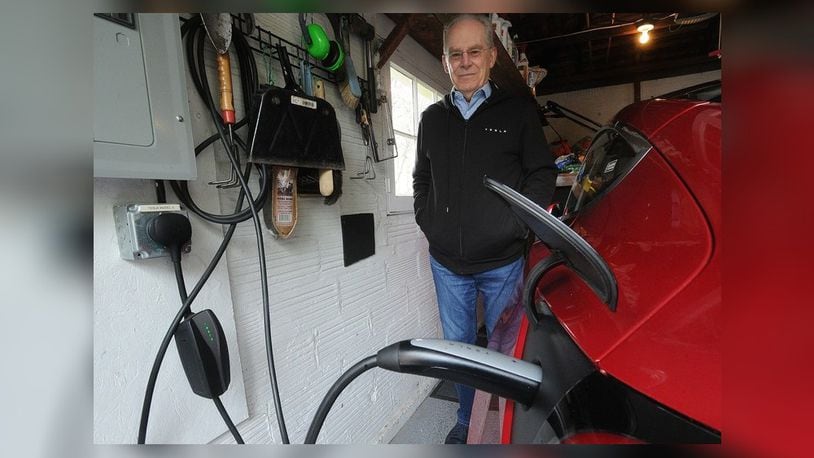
point(303, 102)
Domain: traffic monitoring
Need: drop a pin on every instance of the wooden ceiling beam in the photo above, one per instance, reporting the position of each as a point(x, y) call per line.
point(393, 40)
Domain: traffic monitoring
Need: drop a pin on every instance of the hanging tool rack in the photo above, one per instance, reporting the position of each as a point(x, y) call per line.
point(263, 42)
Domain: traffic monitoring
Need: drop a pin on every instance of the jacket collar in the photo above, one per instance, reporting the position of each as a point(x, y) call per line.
point(498, 95)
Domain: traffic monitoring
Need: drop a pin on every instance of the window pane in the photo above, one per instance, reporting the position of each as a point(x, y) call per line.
point(403, 165)
point(426, 97)
point(401, 90)
point(609, 158)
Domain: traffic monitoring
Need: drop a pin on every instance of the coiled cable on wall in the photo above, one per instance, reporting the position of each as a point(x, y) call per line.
point(195, 38)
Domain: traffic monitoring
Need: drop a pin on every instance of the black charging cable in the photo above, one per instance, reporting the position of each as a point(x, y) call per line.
point(160, 192)
point(249, 85)
point(182, 287)
point(336, 389)
point(194, 33)
point(258, 230)
point(173, 230)
point(228, 420)
point(480, 368)
point(184, 311)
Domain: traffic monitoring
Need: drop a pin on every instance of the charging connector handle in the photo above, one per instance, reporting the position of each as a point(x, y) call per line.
point(477, 367)
point(483, 369)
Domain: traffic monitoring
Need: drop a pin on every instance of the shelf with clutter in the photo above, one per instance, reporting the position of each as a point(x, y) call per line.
point(530, 75)
point(569, 157)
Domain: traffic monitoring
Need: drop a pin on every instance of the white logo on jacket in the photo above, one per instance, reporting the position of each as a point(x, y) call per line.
point(494, 130)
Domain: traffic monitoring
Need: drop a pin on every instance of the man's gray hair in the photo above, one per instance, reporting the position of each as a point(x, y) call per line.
point(488, 35)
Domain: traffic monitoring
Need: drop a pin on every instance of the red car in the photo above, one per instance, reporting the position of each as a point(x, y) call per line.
point(630, 341)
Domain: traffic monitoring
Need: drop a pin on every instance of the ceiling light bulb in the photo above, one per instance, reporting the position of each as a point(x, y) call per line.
point(645, 29)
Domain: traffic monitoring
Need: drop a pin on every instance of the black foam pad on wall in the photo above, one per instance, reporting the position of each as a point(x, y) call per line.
point(358, 241)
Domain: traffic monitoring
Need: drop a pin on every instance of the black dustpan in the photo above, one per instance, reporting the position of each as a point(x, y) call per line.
point(294, 129)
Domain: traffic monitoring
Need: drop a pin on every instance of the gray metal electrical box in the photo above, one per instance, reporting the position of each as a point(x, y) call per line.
point(131, 229)
point(141, 125)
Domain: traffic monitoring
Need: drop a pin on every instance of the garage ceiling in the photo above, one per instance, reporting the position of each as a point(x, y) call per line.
point(585, 50)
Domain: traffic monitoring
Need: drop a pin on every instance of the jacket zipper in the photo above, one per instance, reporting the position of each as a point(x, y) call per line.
point(463, 163)
point(483, 106)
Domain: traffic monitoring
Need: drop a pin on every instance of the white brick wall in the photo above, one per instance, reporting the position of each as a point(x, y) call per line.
point(326, 317)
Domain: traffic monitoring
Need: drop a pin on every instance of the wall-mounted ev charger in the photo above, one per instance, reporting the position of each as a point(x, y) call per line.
point(204, 354)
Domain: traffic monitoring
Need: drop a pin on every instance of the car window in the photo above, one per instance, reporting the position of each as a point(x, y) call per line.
point(610, 157)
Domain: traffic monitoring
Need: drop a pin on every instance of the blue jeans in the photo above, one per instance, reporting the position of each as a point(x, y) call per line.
point(457, 301)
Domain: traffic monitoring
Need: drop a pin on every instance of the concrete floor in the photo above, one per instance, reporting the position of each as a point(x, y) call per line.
point(435, 417)
point(429, 424)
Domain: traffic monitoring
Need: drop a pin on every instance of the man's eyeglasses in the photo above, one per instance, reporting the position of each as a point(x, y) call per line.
point(457, 56)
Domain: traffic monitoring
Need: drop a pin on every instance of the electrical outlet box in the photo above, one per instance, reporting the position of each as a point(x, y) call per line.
point(131, 229)
point(141, 123)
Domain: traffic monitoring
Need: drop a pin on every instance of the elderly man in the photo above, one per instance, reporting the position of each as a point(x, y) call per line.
point(476, 242)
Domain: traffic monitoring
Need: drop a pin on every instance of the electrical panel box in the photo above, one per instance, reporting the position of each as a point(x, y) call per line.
point(141, 125)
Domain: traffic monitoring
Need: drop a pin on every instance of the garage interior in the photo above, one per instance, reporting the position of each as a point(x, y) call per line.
point(353, 276)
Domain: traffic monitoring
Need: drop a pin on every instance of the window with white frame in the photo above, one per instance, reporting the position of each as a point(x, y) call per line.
point(409, 98)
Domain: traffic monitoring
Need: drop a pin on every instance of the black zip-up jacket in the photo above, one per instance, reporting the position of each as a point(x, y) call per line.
point(471, 229)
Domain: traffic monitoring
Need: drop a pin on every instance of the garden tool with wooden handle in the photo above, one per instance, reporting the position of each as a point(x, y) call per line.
point(218, 28)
